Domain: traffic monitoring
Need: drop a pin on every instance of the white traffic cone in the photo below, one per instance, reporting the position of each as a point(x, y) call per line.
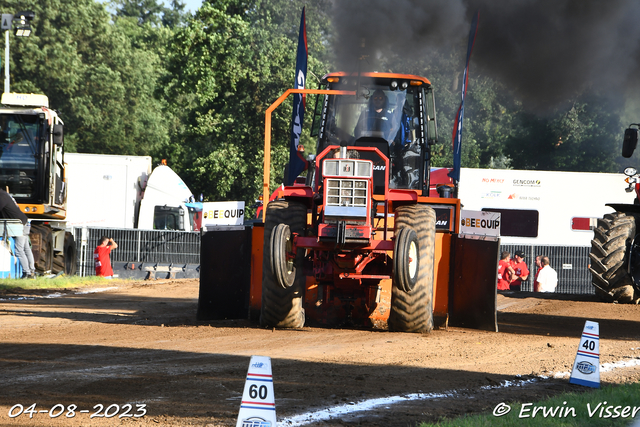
point(586, 368)
point(258, 407)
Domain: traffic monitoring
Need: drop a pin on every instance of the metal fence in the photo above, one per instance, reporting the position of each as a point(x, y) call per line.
point(179, 247)
point(570, 262)
point(139, 246)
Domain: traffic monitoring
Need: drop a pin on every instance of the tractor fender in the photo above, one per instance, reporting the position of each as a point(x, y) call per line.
point(625, 208)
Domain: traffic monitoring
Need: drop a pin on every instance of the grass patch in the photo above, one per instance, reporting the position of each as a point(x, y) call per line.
point(59, 282)
point(610, 406)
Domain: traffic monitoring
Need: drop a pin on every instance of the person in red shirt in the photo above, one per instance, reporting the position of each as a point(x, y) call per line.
point(101, 257)
point(505, 271)
point(521, 271)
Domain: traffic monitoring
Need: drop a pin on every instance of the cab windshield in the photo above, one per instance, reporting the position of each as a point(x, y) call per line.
point(379, 113)
point(18, 153)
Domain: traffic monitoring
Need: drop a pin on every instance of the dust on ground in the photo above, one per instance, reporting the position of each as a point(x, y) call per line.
point(140, 344)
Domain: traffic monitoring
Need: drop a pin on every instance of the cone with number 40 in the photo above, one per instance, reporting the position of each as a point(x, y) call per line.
point(586, 367)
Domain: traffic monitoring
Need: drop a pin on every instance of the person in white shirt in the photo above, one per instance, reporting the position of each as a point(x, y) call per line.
point(547, 279)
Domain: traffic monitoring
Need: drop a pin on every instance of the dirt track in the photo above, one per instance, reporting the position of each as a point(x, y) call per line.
point(141, 344)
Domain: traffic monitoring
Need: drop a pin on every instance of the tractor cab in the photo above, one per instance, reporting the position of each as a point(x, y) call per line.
point(394, 113)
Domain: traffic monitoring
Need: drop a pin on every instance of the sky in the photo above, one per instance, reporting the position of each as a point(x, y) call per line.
point(191, 5)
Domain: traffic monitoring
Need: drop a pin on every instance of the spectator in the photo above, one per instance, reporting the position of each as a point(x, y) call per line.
point(547, 279)
point(101, 257)
point(505, 271)
point(9, 209)
point(538, 266)
point(521, 271)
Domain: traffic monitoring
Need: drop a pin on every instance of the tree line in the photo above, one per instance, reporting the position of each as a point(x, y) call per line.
point(137, 77)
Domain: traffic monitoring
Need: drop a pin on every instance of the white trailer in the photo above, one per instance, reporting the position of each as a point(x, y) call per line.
point(124, 192)
point(543, 207)
point(105, 190)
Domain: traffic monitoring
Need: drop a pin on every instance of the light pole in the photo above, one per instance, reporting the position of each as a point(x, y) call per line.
point(22, 23)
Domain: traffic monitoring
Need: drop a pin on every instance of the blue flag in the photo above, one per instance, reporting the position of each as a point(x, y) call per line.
point(297, 163)
point(457, 125)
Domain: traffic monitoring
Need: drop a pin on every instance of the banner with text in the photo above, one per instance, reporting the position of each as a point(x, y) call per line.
point(480, 223)
point(222, 213)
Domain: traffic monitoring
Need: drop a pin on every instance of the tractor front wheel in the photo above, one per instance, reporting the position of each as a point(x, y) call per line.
point(282, 261)
point(281, 302)
point(406, 261)
point(413, 269)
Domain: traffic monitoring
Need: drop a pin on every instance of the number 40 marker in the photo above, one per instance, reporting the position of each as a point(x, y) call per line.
point(586, 368)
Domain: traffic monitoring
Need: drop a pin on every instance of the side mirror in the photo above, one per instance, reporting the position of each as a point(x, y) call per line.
point(630, 142)
point(58, 135)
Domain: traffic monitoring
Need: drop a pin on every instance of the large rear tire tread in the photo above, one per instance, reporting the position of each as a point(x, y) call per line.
point(282, 307)
point(413, 311)
point(57, 265)
point(610, 257)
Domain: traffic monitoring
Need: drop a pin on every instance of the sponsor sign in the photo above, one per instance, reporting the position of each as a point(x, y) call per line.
point(222, 213)
point(491, 195)
point(480, 223)
point(445, 216)
point(586, 368)
point(492, 180)
point(443, 219)
point(527, 183)
point(256, 422)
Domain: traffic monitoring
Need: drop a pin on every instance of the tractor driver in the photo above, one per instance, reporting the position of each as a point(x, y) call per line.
point(376, 119)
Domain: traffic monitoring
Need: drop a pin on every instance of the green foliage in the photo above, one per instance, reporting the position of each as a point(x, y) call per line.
point(99, 73)
point(228, 65)
point(151, 12)
point(583, 137)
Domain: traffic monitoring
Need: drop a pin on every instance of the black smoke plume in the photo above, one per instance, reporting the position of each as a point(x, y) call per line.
point(544, 50)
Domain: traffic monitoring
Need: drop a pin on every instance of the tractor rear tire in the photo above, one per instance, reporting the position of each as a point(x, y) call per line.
point(282, 306)
point(412, 291)
point(609, 258)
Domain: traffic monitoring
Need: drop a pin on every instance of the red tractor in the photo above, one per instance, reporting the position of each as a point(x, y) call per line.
point(357, 241)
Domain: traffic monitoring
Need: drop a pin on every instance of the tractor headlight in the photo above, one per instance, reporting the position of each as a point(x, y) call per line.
point(630, 171)
point(347, 167)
